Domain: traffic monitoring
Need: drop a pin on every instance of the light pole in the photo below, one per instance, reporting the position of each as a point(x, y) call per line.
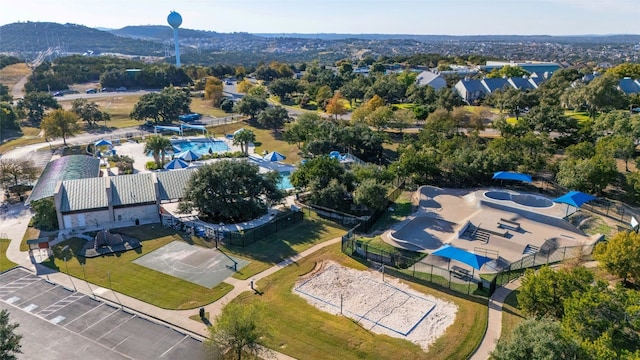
point(111, 287)
point(67, 268)
point(84, 274)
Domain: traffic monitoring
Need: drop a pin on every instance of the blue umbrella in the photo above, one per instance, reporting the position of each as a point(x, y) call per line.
point(103, 142)
point(574, 198)
point(274, 156)
point(176, 164)
point(471, 259)
point(508, 175)
point(188, 155)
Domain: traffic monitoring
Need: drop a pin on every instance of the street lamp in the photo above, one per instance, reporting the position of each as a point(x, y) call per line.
point(111, 287)
point(67, 267)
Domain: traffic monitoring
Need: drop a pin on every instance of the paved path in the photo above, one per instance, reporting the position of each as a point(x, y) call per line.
point(14, 224)
point(494, 325)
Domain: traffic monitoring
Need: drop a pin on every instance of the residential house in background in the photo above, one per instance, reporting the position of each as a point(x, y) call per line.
point(427, 78)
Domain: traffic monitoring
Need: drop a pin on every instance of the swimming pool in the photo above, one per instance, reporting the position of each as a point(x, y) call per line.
point(200, 146)
point(285, 183)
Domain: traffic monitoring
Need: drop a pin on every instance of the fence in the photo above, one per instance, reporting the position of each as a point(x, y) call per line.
point(453, 277)
point(250, 236)
point(517, 268)
point(415, 269)
point(362, 224)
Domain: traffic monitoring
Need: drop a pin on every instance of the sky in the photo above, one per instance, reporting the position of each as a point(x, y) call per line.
point(427, 17)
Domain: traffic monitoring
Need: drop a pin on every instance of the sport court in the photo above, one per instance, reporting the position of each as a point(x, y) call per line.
point(366, 300)
point(205, 267)
point(59, 323)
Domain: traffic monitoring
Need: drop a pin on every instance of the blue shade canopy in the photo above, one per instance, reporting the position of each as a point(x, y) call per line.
point(471, 259)
point(103, 142)
point(508, 175)
point(574, 198)
point(176, 164)
point(274, 156)
point(188, 155)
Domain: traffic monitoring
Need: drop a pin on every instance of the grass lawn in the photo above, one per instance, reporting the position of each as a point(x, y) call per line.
point(134, 280)
point(23, 141)
point(304, 332)
point(511, 315)
point(5, 264)
point(267, 140)
point(581, 116)
point(286, 243)
point(402, 208)
point(202, 106)
point(118, 107)
point(10, 75)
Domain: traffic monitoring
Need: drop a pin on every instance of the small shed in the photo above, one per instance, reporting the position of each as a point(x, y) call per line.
point(35, 244)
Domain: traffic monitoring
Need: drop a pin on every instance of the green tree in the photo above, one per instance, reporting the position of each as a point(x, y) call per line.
point(5, 95)
point(371, 194)
point(380, 117)
point(9, 340)
point(301, 130)
point(36, 103)
point(240, 329)
point(250, 106)
point(8, 119)
point(14, 172)
point(231, 191)
point(323, 95)
point(244, 86)
point(60, 123)
point(402, 119)
point(273, 117)
point(543, 292)
point(158, 146)
point(589, 175)
point(541, 339)
point(164, 106)
point(601, 311)
point(45, 216)
point(508, 71)
point(620, 255)
point(601, 95)
point(243, 139)
point(89, 112)
point(283, 88)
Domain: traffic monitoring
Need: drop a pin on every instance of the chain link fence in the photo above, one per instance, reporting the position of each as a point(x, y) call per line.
point(250, 236)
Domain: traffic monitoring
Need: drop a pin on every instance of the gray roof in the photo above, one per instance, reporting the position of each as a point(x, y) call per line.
point(521, 83)
point(495, 84)
point(629, 86)
point(83, 194)
point(132, 189)
point(172, 184)
point(65, 168)
point(431, 79)
point(473, 85)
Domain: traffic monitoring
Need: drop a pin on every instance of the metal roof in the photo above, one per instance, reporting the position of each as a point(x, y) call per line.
point(65, 168)
point(83, 194)
point(132, 189)
point(172, 184)
point(495, 84)
point(629, 86)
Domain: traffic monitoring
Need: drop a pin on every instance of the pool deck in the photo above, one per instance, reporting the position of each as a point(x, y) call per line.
point(443, 215)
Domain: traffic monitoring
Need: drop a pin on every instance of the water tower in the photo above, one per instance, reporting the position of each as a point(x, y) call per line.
point(175, 20)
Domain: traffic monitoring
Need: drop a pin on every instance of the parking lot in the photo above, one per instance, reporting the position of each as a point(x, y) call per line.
point(70, 325)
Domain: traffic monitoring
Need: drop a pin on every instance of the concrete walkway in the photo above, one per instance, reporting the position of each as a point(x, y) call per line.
point(14, 224)
point(494, 325)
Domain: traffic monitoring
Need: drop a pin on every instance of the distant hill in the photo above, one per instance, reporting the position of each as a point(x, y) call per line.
point(163, 33)
point(617, 39)
point(31, 37)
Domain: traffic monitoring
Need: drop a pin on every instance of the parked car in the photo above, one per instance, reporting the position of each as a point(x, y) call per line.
point(121, 88)
point(91, 91)
point(58, 93)
point(636, 110)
